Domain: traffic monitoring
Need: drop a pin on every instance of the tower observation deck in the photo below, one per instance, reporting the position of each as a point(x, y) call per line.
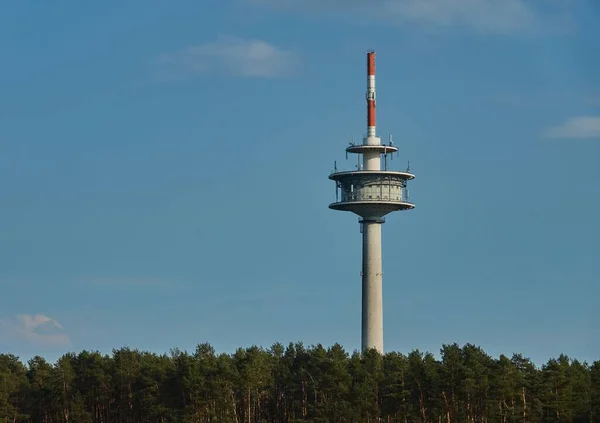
point(371, 192)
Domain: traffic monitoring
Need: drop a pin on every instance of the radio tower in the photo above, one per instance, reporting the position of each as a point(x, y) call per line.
point(371, 192)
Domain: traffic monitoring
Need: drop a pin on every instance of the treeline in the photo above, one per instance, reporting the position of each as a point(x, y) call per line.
point(298, 384)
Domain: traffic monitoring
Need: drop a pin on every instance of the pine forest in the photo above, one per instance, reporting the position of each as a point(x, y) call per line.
point(298, 384)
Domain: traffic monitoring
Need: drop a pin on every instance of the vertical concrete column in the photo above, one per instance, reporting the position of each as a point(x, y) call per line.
point(372, 287)
point(372, 159)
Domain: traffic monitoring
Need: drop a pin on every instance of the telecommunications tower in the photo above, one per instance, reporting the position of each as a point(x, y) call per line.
point(371, 192)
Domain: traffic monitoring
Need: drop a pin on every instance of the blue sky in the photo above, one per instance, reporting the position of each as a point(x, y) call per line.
point(163, 173)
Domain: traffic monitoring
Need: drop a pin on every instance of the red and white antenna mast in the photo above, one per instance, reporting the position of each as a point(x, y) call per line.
point(371, 97)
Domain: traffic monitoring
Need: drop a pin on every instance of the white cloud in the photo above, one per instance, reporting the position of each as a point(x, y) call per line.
point(234, 55)
point(33, 330)
point(497, 16)
point(486, 16)
point(593, 99)
point(124, 282)
point(576, 127)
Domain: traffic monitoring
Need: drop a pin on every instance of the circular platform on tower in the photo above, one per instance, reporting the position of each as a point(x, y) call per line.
point(372, 207)
point(370, 192)
point(351, 174)
point(365, 148)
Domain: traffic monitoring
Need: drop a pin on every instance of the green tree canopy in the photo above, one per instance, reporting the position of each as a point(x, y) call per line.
point(295, 383)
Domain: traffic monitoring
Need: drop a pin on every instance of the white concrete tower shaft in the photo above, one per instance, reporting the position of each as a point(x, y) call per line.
point(372, 286)
point(372, 267)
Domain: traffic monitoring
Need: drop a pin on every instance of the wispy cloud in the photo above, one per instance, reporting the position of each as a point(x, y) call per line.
point(546, 98)
point(486, 16)
point(592, 99)
point(233, 55)
point(123, 282)
point(576, 127)
point(497, 16)
point(33, 330)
